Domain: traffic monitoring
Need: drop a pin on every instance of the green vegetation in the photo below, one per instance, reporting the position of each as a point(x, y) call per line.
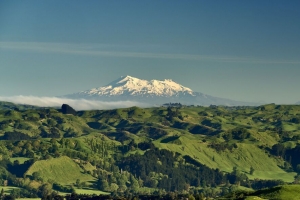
point(11, 106)
point(210, 151)
point(283, 192)
point(62, 170)
point(7, 189)
point(89, 191)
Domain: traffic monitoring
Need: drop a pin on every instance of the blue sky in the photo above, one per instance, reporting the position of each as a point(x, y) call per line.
point(242, 50)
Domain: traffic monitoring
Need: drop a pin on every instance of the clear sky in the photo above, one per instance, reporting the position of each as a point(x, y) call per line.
point(242, 50)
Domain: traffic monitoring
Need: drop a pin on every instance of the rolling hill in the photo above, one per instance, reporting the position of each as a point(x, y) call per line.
point(257, 144)
point(283, 192)
point(62, 170)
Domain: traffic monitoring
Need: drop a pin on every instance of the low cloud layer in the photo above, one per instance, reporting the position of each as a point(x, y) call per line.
point(80, 104)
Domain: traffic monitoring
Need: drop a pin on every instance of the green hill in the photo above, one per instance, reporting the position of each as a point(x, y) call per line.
point(290, 192)
point(252, 130)
point(62, 170)
point(283, 192)
point(224, 141)
point(11, 106)
point(243, 157)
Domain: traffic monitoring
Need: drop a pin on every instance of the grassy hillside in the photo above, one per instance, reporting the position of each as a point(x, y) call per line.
point(265, 139)
point(283, 192)
point(290, 192)
point(199, 131)
point(11, 106)
point(212, 124)
point(62, 170)
point(242, 157)
point(8, 189)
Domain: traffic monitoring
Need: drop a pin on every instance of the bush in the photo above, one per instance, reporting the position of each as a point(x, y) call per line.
point(61, 188)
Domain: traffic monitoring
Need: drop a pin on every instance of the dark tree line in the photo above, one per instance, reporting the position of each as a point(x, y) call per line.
point(15, 136)
point(187, 172)
point(290, 155)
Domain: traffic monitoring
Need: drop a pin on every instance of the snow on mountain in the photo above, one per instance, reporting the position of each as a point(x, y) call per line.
point(155, 92)
point(133, 86)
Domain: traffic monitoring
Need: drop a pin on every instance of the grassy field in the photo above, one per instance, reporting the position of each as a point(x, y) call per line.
point(283, 192)
point(62, 170)
point(243, 157)
point(20, 159)
point(86, 191)
point(90, 191)
point(8, 189)
point(290, 192)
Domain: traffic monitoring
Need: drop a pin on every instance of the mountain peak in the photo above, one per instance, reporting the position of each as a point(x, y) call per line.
point(128, 78)
point(129, 88)
point(130, 85)
point(123, 79)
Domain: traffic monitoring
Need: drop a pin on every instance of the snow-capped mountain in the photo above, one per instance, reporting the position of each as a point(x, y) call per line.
point(133, 86)
point(154, 92)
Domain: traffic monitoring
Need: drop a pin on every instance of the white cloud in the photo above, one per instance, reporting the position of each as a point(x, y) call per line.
point(91, 50)
point(77, 104)
point(99, 50)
